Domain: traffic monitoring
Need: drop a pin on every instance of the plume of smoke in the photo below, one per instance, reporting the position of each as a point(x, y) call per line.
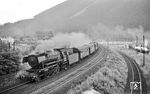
point(63, 41)
point(119, 32)
point(21, 73)
point(22, 68)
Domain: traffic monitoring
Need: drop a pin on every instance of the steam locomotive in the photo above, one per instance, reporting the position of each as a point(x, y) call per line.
point(51, 62)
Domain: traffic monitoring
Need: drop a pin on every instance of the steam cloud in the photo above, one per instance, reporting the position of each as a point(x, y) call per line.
point(119, 32)
point(63, 40)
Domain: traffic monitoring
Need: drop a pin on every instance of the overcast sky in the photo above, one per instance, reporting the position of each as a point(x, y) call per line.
point(14, 10)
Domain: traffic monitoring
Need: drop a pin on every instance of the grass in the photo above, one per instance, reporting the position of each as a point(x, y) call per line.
point(109, 79)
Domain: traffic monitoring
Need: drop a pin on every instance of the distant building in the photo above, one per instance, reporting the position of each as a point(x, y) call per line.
point(27, 39)
point(7, 39)
point(45, 35)
point(6, 43)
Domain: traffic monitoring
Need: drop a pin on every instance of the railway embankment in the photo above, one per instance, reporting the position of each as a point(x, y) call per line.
point(7, 80)
point(108, 77)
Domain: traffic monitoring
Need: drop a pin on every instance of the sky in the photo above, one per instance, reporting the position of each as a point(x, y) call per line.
point(15, 10)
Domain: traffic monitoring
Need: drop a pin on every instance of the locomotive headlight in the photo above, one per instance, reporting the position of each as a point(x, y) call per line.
point(34, 76)
point(40, 70)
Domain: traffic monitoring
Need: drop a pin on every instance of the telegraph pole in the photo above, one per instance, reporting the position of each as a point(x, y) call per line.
point(136, 40)
point(137, 43)
point(143, 52)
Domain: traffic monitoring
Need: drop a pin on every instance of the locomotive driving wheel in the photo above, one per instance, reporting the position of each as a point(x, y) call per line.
point(37, 79)
point(56, 69)
point(67, 66)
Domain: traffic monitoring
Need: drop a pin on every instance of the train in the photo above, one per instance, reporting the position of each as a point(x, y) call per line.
point(53, 61)
point(141, 49)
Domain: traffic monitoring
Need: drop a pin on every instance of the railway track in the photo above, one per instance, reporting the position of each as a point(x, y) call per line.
point(26, 88)
point(16, 86)
point(136, 83)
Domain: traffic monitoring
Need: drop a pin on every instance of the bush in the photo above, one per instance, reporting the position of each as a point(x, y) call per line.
point(9, 62)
